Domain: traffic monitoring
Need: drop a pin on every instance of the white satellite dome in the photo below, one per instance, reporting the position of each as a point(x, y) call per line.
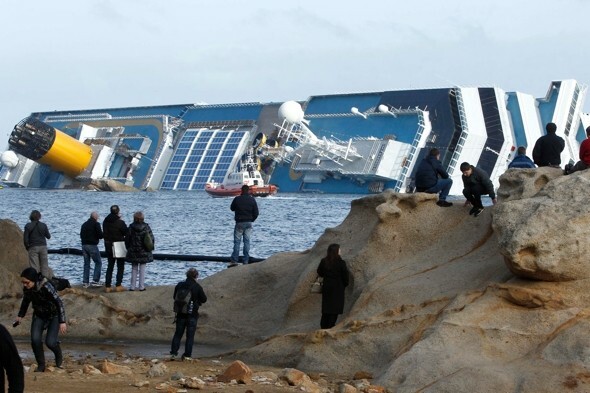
point(291, 111)
point(9, 159)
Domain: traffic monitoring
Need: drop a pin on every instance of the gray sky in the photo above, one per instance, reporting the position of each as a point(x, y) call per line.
point(83, 54)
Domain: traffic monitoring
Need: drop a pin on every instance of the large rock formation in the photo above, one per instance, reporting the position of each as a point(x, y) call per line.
point(434, 304)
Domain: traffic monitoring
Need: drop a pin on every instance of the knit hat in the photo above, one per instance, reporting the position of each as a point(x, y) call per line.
point(30, 274)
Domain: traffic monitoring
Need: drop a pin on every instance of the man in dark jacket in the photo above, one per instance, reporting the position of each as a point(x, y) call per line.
point(115, 230)
point(548, 148)
point(246, 212)
point(34, 238)
point(432, 178)
point(187, 320)
point(90, 235)
point(11, 363)
point(476, 183)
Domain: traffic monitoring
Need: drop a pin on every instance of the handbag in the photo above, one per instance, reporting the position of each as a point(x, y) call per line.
point(316, 286)
point(119, 250)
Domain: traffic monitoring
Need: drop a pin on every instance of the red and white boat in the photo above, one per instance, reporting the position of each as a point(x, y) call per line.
point(232, 184)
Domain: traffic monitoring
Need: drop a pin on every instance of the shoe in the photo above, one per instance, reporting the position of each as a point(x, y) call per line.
point(142, 289)
point(131, 289)
point(442, 203)
point(96, 284)
point(478, 212)
point(120, 288)
point(85, 285)
point(108, 289)
point(187, 358)
point(40, 369)
point(172, 356)
point(473, 210)
point(232, 264)
point(59, 360)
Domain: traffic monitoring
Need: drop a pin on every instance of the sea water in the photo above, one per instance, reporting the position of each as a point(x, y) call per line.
point(183, 222)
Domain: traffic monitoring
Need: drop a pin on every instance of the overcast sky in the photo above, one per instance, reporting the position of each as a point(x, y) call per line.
point(83, 54)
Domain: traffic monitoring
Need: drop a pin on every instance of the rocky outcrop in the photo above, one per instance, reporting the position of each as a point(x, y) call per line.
point(13, 258)
point(109, 185)
point(542, 231)
point(438, 301)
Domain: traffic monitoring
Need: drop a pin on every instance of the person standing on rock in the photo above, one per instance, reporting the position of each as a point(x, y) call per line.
point(115, 230)
point(335, 274)
point(138, 252)
point(548, 148)
point(11, 364)
point(48, 313)
point(433, 179)
point(35, 238)
point(246, 212)
point(476, 183)
point(90, 235)
point(187, 312)
point(584, 155)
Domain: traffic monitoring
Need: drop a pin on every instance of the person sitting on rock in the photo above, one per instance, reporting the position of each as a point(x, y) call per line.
point(432, 178)
point(584, 162)
point(548, 148)
point(521, 160)
point(476, 183)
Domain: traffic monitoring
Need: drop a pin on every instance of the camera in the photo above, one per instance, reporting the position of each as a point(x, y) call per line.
point(15, 323)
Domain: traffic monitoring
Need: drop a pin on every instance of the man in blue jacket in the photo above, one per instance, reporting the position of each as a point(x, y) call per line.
point(476, 183)
point(432, 178)
point(521, 160)
point(246, 212)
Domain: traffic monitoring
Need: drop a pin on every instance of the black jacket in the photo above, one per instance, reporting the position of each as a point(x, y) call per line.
point(46, 302)
point(335, 276)
point(114, 229)
point(479, 178)
point(10, 362)
point(245, 208)
point(198, 296)
point(136, 251)
point(35, 234)
point(91, 232)
point(428, 173)
point(547, 150)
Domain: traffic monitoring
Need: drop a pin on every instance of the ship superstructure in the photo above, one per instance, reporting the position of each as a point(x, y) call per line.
point(354, 143)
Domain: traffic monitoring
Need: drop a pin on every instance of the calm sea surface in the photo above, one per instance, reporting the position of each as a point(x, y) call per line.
point(182, 222)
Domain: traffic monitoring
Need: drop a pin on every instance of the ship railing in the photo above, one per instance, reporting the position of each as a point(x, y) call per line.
point(464, 130)
point(410, 159)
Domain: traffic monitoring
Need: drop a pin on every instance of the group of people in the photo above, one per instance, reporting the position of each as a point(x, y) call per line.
point(432, 178)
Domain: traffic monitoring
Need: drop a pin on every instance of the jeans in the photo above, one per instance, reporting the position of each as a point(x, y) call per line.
point(91, 251)
point(37, 327)
point(443, 186)
point(242, 230)
point(473, 194)
point(182, 323)
point(39, 261)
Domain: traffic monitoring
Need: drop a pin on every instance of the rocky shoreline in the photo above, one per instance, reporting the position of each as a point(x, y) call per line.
point(439, 300)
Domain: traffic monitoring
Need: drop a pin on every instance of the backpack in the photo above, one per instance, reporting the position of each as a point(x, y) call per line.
point(182, 299)
point(60, 283)
point(148, 243)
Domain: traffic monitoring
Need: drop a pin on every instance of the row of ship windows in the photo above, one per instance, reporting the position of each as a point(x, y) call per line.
point(220, 170)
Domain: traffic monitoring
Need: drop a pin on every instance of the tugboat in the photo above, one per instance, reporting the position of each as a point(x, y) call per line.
point(247, 174)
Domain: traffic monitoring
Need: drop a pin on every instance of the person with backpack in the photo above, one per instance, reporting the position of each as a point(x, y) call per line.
point(140, 244)
point(48, 314)
point(188, 296)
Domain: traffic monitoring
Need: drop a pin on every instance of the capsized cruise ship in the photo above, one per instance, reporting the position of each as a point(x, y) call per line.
point(356, 143)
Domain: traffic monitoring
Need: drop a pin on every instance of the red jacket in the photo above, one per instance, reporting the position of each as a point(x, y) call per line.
point(585, 151)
